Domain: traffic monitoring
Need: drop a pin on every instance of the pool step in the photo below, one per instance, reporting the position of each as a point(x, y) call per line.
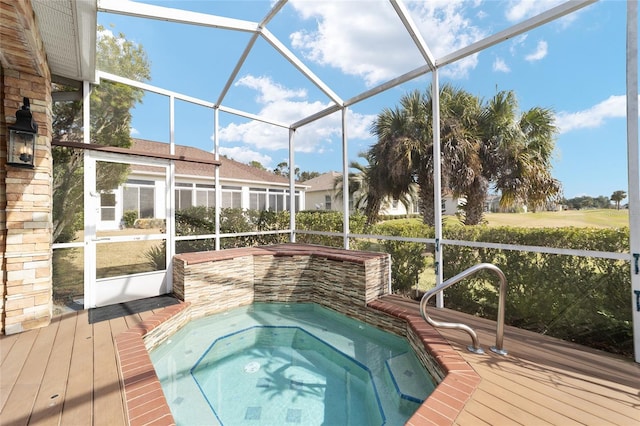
point(409, 377)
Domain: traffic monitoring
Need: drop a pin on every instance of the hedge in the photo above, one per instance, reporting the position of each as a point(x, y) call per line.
point(580, 299)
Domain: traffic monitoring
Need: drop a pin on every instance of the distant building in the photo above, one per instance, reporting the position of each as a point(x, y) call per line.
point(321, 195)
point(242, 186)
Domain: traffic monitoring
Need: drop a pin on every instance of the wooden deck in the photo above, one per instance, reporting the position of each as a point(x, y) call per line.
point(67, 374)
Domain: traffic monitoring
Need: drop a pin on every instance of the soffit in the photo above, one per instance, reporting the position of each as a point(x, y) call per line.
point(68, 31)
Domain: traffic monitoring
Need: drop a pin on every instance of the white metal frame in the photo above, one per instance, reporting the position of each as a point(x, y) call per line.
point(431, 65)
point(106, 291)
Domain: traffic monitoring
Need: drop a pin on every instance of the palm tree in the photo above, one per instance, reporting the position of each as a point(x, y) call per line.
point(481, 145)
point(404, 149)
point(520, 151)
point(358, 184)
point(618, 196)
point(359, 190)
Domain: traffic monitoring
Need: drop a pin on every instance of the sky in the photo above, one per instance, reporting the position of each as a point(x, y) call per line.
point(575, 66)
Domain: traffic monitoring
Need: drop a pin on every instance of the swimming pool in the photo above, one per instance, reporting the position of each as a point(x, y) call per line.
point(280, 364)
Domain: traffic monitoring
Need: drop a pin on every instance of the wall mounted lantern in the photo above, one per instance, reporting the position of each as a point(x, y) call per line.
point(22, 138)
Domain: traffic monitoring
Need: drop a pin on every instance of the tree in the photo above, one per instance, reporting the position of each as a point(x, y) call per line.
point(282, 169)
point(482, 144)
point(305, 176)
point(618, 196)
point(110, 125)
point(358, 184)
point(257, 165)
point(361, 193)
point(401, 156)
point(587, 202)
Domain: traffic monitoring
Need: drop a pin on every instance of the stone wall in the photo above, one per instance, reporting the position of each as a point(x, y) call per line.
point(25, 194)
point(342, 280)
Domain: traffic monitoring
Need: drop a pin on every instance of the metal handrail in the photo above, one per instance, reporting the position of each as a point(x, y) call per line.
point(475, 348)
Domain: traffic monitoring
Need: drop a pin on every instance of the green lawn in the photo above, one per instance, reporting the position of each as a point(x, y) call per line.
point(598, 218)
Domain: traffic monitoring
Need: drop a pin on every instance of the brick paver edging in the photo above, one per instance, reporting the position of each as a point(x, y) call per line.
point(146, 403)
point(460, 381)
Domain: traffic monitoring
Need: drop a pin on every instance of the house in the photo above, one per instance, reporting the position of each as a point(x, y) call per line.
point(321, 194)
point(144, 191)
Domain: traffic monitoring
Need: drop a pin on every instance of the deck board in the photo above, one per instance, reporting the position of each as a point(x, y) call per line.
point(547, 377)
point(106, 381)
point(12, 366)
point(542, 380)
point(47, 409)
point(5, 346)
point(29, 380)
point(78, 404)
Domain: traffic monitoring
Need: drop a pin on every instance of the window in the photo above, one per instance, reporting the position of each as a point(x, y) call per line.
point(257, 198)
point(184, 195)
point(183, 198)
point(327, 202)
point(147, 202)
point(277, 200)
point(297, 201)
point(205, 195)
point(139, 196)
point(231, 197)
point(108, 206)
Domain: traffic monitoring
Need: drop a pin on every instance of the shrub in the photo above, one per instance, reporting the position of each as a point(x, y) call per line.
point(580, 299)
point(407, 258)
point(326, 221)
point(129, 218)
point(156, 256)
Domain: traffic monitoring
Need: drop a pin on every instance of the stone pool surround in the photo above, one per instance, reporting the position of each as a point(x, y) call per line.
point(350, 282)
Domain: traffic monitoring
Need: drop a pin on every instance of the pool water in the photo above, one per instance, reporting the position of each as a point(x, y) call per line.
point(280, 364)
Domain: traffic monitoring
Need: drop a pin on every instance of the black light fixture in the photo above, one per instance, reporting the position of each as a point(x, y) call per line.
point(22, 138)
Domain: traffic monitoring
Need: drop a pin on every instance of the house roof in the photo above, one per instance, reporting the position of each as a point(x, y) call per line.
point(324, 182)
point(229, 169)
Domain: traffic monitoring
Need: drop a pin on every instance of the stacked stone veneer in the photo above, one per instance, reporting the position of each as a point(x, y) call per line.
point(342, 280)
point(25, 194)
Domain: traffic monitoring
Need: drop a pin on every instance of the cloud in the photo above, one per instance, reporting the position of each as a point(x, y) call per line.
point(516, 43)
point(288, 106)
point(246, 155)
point(342, 34)
point(519, 10)
point(134, 132)
point(613, 107)
point(500, 65)
point(539, 53)
point(270, 91)
point(522, 9)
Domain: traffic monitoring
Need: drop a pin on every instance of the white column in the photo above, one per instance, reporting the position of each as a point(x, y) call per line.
point(345, 181)
point(633, 158)
point(216, 151)
point(437, 195)
point(170, 199)
point(292, 188)
point(90, 203)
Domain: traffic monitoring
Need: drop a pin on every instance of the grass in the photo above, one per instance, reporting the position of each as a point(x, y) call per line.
point(597, 218)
